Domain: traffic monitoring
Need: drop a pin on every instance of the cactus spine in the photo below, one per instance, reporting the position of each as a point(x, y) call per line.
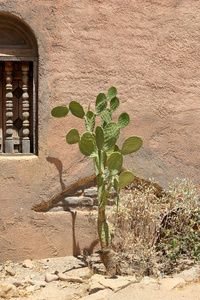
point(100, 144)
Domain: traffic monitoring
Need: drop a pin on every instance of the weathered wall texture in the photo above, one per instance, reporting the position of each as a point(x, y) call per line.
point(149, 50)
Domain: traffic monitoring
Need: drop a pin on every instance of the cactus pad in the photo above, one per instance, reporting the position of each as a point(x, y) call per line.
point(106, 117)
point(101, 103)
point(76, 109)
point(112, 92)
point(87, 144)
point(111, 134)
point(131, 144)
point(72, 136)
point(59, 111)
point(123, 120)
point(125, 178)
point(114, 104)
point(115, 148)
point(99, 137)
point(90, 121)
point(115, 161)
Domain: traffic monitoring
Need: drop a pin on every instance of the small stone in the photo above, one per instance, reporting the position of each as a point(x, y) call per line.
point(30, 288)
point(83, 273)
point(117, 283)
point(8, 290)
point(147, 280)
point(64, 277)
point(27, 264)
point(10, 271)
point(50, 277)
point(95, 207)
point(78, 192)
point(78, 201)
point(189, 275)
point(45, 267)
point(91, 192)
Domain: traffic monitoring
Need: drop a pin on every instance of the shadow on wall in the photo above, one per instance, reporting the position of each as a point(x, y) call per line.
point(76, 248)
point(53, 202)
point(57, 162)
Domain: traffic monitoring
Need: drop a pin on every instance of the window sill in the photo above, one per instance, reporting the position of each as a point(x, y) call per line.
point(18, 156)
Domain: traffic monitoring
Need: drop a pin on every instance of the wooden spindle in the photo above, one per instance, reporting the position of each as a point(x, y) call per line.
point(25, 109)
point(9, 147)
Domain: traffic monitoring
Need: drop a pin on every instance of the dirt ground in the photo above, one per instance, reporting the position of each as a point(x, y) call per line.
point(29, 278)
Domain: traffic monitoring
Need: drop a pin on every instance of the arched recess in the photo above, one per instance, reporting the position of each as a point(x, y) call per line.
point(18, 87)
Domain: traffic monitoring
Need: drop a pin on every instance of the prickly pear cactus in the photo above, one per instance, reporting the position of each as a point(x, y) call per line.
point(100, 144)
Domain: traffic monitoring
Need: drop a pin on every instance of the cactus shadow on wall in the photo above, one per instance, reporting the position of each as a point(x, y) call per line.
point(76, 248)
point(57, 162)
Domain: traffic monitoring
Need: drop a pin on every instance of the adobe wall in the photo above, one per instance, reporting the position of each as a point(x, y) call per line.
point(148, 50)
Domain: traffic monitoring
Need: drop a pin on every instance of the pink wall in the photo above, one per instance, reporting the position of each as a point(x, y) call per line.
point(148, 50)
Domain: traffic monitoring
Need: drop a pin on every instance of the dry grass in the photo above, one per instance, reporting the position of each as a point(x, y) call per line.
point(153, 234)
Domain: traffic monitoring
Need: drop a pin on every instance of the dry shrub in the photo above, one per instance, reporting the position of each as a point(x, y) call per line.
point(179, 235)
point(151, 233)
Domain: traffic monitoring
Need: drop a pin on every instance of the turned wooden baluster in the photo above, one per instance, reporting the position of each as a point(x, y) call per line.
point(25, 109)
point(9, 147)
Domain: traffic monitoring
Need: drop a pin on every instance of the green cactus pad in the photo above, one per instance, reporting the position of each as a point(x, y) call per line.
point(72, 136)
point(59, 111)
point(90, 121)
point(87, 144)
point(131, 144)
point(125, 178)
point(99, 137)
point(111, 134)
point(101, 103)
point(76, 109)
point(106, 117)
point(112, 92)
point(115, 148)
point(114, 104)
point(123, 120)
point(115, 161)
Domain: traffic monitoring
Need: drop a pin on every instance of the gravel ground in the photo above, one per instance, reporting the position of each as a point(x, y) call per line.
point(70, 281)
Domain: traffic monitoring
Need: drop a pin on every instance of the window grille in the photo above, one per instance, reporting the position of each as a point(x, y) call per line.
point(16, 98)
point(18, 87)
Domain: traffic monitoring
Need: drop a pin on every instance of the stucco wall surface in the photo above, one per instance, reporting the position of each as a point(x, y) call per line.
point(149, 50)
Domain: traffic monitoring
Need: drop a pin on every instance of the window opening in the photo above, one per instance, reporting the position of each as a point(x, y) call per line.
point(18, 86)
point(16, 98)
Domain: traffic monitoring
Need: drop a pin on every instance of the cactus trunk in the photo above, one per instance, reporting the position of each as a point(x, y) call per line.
point(107, 256)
